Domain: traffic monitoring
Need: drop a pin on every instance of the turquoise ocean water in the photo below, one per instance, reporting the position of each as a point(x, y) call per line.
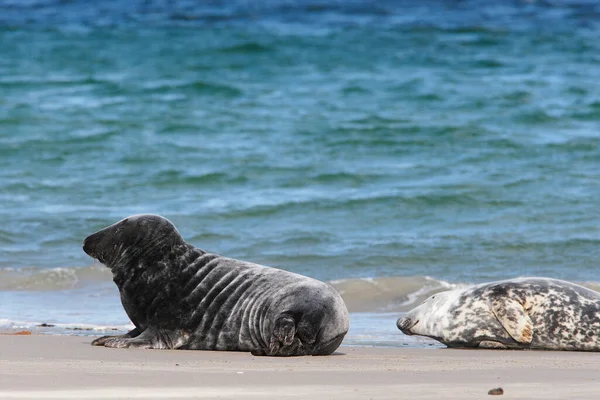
point(392, 148)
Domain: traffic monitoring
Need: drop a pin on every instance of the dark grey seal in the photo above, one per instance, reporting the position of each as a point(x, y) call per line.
point(181, 297)
point(523, 313)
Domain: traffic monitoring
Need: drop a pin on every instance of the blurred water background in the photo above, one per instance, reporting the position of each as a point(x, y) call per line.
point(393, 148)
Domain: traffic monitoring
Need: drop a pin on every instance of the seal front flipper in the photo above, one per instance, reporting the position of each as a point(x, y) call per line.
point(102, 340)
point(150, 339)
point(491, 344)
point(121, 342)
point(514, 319)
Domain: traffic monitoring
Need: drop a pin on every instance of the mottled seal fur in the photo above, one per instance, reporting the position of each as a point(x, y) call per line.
point(181, 297)
point(523, 313)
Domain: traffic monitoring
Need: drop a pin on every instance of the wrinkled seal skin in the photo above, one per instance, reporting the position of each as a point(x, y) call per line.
point(181, 297)
point(523, 313)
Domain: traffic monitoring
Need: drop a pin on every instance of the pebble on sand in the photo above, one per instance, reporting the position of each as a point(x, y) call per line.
point(496, 391)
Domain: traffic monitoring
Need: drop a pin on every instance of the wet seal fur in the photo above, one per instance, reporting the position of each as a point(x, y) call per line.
point(523, 313)
point(181, 297)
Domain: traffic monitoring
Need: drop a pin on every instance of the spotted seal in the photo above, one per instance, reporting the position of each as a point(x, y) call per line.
point(523, 313)
point(181, 297)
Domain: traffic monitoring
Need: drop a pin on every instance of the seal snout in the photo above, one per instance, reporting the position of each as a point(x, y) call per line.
point(405, 324)
point(90, 247)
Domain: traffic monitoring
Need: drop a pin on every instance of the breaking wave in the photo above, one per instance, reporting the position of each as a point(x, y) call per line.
point(34, 279)
point(388, 294)
point(362, 295)
point(382, 294)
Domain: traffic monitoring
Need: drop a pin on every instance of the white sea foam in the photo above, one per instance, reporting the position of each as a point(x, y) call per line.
point(63, 328)
point(388, 294)
point(59, 278)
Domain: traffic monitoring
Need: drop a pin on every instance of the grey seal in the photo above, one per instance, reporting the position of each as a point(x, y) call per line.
point(181, 297)
point(522, 313)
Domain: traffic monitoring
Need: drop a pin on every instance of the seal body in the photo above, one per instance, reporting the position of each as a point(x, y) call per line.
point(523, 313)
point(181, 297)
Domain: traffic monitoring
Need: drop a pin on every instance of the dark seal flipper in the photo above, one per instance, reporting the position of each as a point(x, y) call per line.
point(151, 338)
point(102, 340)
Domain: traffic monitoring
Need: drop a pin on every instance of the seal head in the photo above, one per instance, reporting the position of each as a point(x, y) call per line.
point(150, 236)
point(432, 318)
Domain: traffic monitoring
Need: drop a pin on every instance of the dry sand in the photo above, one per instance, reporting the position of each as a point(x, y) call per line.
point(67, 367)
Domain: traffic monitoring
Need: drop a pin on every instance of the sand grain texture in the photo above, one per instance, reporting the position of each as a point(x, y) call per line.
point(67, 367)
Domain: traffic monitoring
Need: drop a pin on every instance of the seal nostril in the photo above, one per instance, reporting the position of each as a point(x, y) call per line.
point(403, 323)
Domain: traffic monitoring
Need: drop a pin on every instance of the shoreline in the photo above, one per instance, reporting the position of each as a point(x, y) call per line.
point(366, 330)
point(68, 367)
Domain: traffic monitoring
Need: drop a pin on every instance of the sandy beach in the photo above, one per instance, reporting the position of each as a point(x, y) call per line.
point(67, 367)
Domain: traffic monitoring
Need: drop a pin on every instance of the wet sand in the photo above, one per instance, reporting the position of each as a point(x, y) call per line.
point(67, 367)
